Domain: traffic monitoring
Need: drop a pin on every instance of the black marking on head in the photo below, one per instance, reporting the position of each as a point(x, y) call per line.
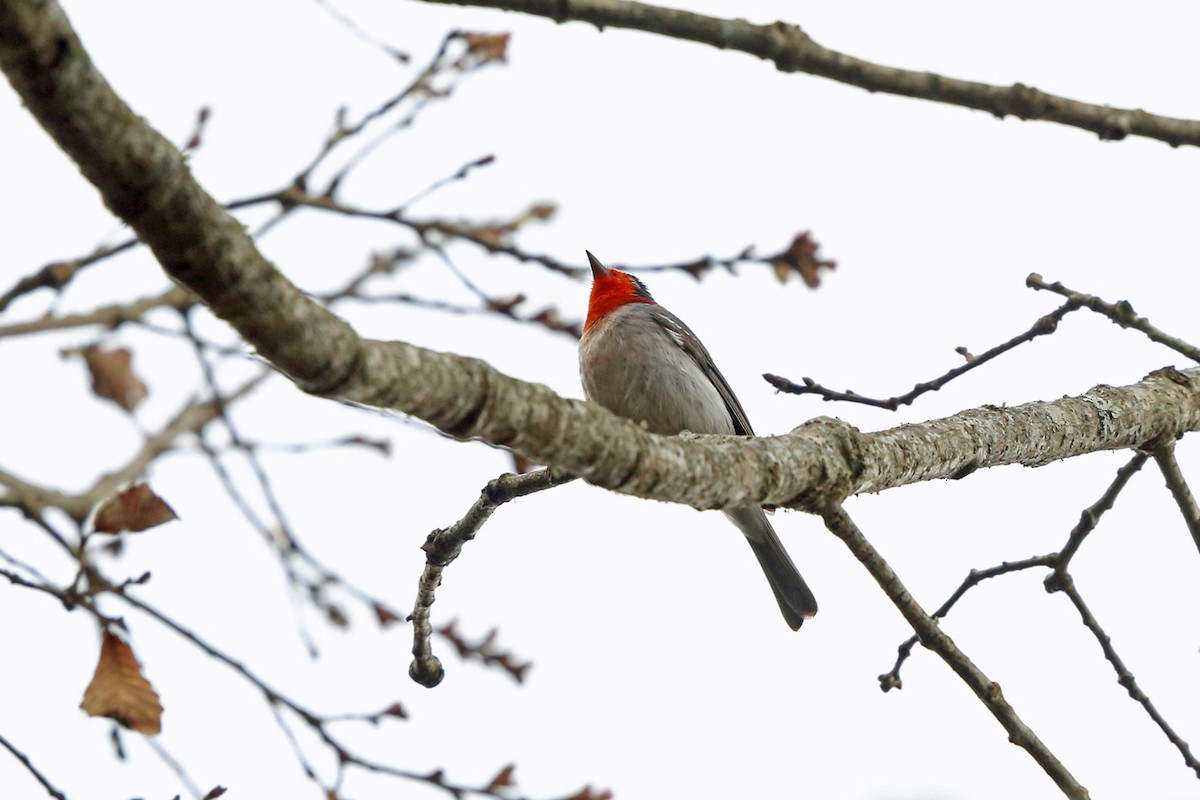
point(639, 288)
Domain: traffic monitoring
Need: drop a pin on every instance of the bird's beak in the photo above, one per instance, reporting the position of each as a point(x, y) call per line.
point(598, 269)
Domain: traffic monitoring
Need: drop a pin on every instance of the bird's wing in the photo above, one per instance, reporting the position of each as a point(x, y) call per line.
point(682, 335)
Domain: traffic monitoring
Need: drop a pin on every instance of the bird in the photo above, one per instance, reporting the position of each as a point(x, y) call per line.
point(640, 361)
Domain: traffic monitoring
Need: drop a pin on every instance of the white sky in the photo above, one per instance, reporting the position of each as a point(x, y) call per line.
point(662, 667)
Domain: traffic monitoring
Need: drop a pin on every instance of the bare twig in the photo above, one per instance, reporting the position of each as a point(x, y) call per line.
point(891, 680)
point(792, 50)
point(38, 776)
point(1121, 313)
point(1060, 580)
point(1057, 562)
point(1066, 585)
point(175, 766)
point(1164, 455)
point(1089, 518)
point(281, 535)
point(933, 637)
point(443, 546)
point(1045, 325)
point(354, 28)
point(59, 274)
point(106, 316)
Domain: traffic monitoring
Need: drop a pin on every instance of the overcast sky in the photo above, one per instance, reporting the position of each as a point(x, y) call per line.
point(661, 665)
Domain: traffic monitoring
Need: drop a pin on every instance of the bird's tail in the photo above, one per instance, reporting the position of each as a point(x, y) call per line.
point(795, 599)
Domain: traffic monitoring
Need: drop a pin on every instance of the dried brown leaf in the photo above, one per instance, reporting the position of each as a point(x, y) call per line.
point(386, 617)
point(135, 509)
point(119, 690)
point(113, 377)
point(801, 258)
point(487, 46)
point(588, 793)
point(504, 778)
point(215, 792)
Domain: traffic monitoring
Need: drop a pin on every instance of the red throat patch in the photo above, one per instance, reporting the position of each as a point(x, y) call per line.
point(610, 292)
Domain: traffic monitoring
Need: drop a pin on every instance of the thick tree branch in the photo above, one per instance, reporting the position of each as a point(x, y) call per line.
point(145, 180)
point(792, 50)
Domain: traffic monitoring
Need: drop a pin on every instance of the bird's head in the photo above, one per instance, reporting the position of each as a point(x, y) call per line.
point(612, 289)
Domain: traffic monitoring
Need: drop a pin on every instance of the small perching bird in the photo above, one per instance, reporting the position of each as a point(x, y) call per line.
point(640, 361)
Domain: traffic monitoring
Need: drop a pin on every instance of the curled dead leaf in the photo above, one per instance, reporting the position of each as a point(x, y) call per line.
point(119, 691)
point(113, 377)
point(135, 509)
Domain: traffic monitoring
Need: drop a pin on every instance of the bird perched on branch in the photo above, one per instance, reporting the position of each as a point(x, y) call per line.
point(640, 361)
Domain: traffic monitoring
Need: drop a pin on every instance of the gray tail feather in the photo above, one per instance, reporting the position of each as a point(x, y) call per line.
point(795, 599)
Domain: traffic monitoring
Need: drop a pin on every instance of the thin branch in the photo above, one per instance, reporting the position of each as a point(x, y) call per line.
point(24, 759)
point(1066, 585)
point(1089, 518)
point(315, 721)
point(107, 316)
point(1057, 562)
point(33, 499)
point(1164, 455)
point(443, 546)
point(354, 28)
point(192, 419)
point(1060, 580)
point(891, 680)
point(175, 766)
point(792, 50)
point(281, 536)
point(1045, 325)
point(59, 274)
point(933, 637)
point(463, 172)
point(1121, 313)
